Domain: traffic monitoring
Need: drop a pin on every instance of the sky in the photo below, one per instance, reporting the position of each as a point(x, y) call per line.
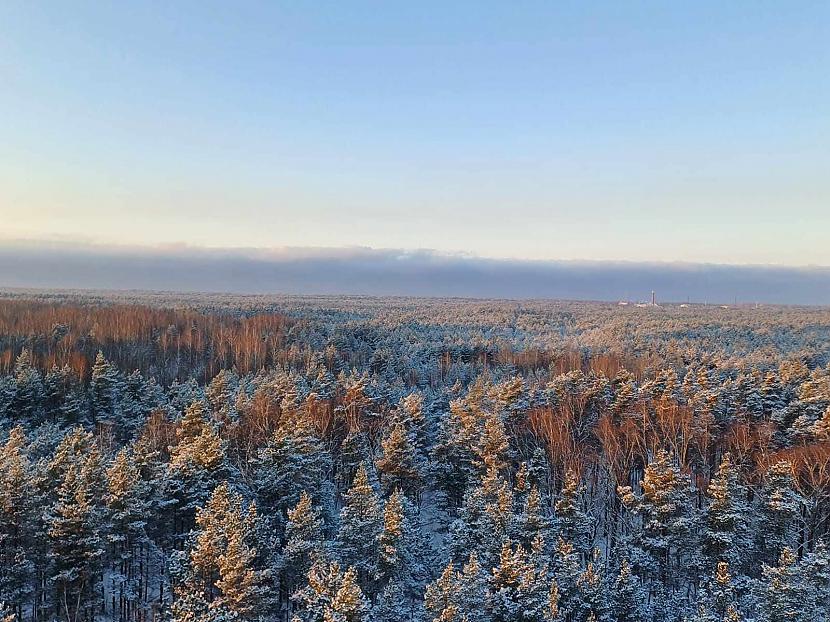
point(543, 131)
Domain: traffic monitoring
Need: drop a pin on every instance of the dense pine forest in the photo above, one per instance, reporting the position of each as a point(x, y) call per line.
point(195, 458)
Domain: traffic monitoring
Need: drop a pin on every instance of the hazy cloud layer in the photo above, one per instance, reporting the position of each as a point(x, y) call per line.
point(397, 272)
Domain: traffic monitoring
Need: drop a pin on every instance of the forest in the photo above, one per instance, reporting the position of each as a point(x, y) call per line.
point(222, 458)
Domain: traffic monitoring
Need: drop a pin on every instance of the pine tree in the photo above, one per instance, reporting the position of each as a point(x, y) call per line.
point(533, 522)
point(331, 596)
point(304, 541)
point(349, 603)
point(815, 568)
point(355, 453)
point(400, 466)
point(727, 517)
point(666, 538)
point(441, 597)
point(567, 571)
point(293, 462)
point(64, 397)
point(197, 465)
point(128, 506)
point(190, 604)
point(392, 547)
point(485, 520)
point(624, 387)
point(16, 517)
point(519, 591)
point(393, 605)
point(139, 398)
point(105, 393)
point(784, 593)
point(772, 394)
point(573, 524)
point(221, 568)
point(592, 603)
point(27, 401)
point(222, 393)
point(821, 428)
point(8, 390)
point(410, 413)
point(314, 599)
point(628, 597)
point(453, 459)
point(473, 592)
point(75, 529)
point(779, 510)
point(492, 447)
point(717, 600)
point(360, 528)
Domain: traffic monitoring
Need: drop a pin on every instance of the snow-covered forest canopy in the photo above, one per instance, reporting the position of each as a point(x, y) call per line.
point(231, 458)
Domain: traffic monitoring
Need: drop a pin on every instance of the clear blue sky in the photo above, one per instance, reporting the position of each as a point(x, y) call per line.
point(607, 130)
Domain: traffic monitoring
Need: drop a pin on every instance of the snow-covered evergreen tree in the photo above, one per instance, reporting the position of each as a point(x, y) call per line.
point(727, 534)
point(779, 511)
point(105, 393)
point(361, 522)
point(401, 466)
point(16, 520)
point(573, 524)
point(75, 529)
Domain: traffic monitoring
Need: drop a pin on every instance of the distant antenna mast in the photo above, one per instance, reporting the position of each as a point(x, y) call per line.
point(653, 299)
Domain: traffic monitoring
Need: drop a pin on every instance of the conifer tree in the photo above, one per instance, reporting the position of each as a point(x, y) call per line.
point(815, 568)
point(392, 546)
point(410, 413)
point(8, 389)
point(573, 524)
point(292, 463)
point(400, 466)
point(331, 595)
point(772, 392)
point(519, 591)
point(666, 538)
point(314, 599)
point(128, 505)
point(360, 528)
point(220, 569)
point(16, 518)
point(592, 603)
point(485, 520)
point(349, 603)
point(624, 387)
point(105, 393)
point(453, 459)
point(628, 597)
point(567, 571)
point(355, 453)
point(492, 447)
point(197, 465)
point(779, 511)
point(393, 605)
point(64, 397)
point(821, 429)
point(304, 541)
point(533, 522)
point(473, 592)
point(221, 394)
point(441, 597)
point(27, 397)
point(784, 593)
point(75, 529)
point(727, 517)
point(717, 600)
